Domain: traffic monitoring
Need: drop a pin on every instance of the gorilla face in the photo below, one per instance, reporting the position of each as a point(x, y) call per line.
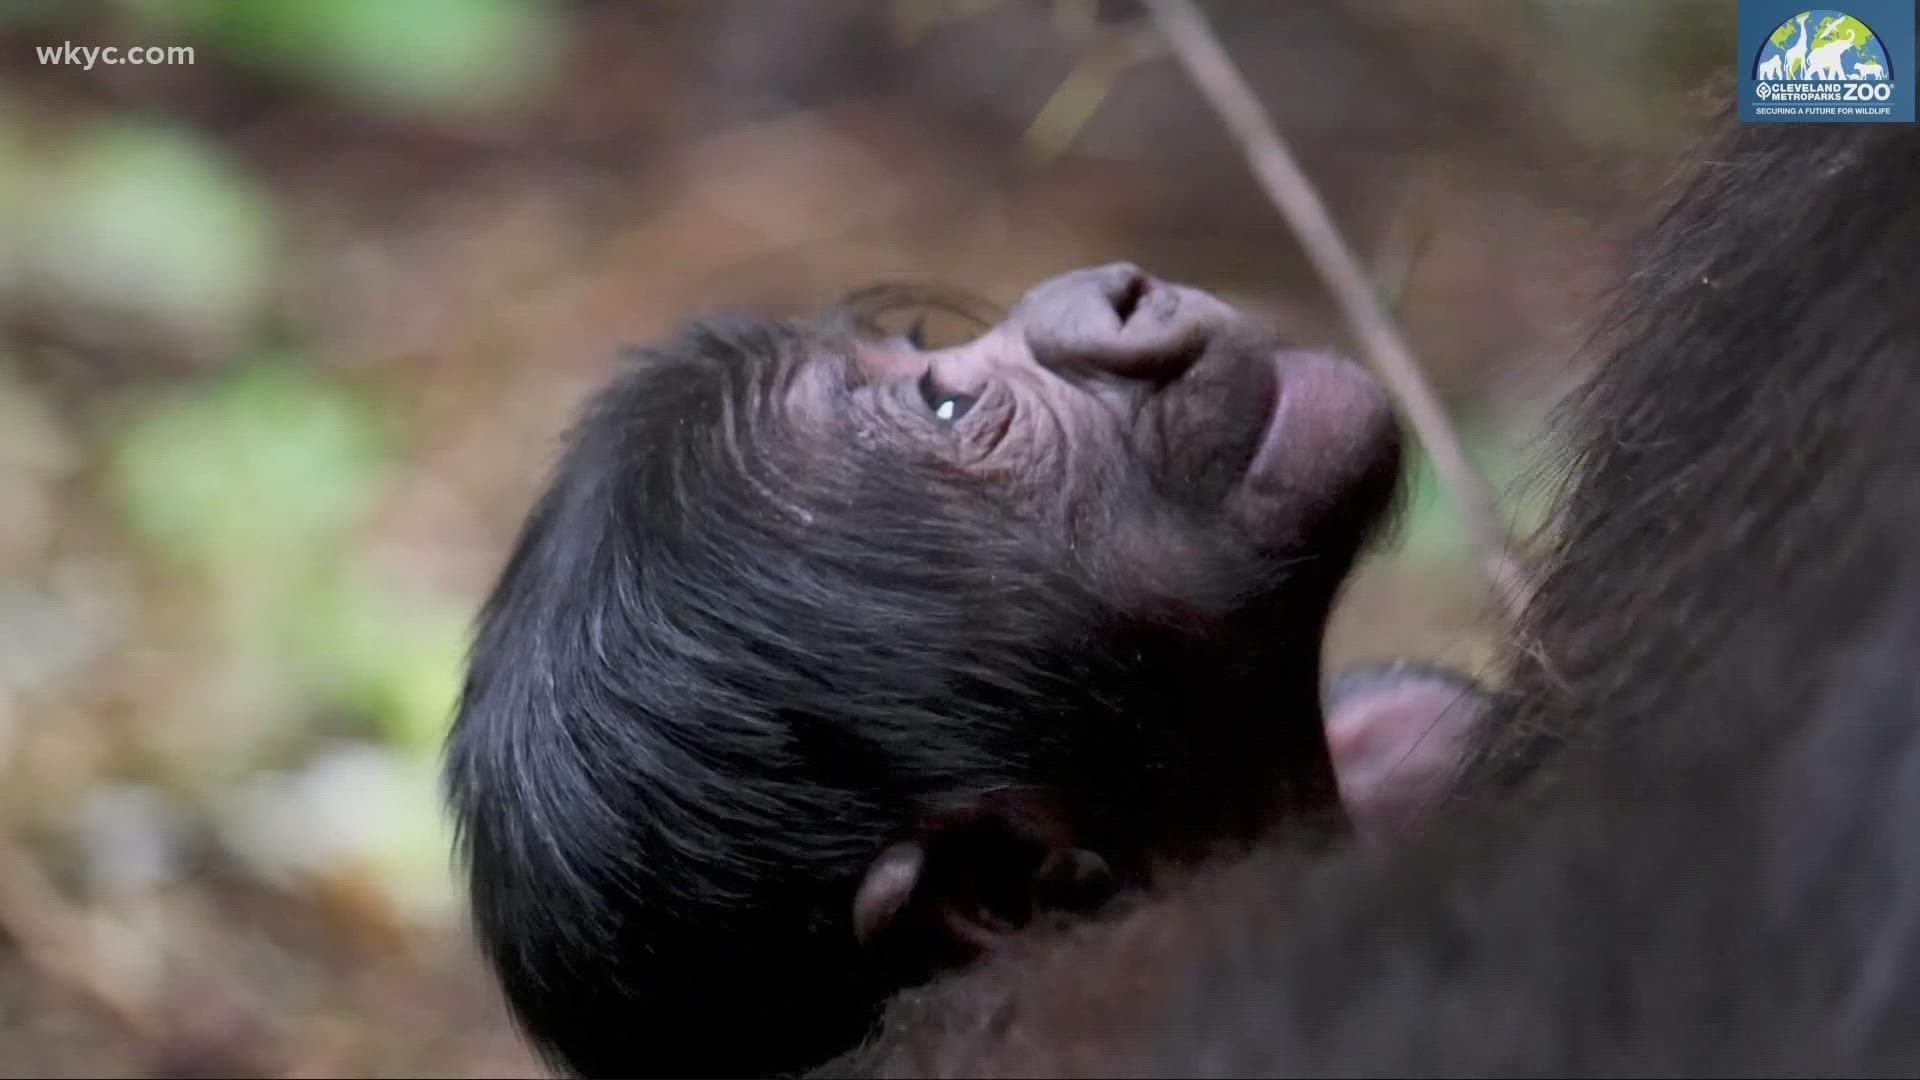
point(825, 659)
point(1155, 438)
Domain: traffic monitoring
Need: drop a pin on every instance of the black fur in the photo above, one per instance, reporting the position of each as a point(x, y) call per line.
point(722, 670)
point(1689, 845)
point(695, 709)
point(1745, 462)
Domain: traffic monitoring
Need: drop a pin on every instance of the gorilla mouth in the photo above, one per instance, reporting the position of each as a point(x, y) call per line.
point(1271, 393)
point(1329, 430)
point(1264, 434)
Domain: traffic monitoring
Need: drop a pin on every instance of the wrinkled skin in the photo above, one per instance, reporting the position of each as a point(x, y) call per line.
point(1130, 417)
point(827, 663)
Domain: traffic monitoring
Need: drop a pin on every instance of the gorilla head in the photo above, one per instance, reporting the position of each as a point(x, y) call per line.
point(825, 660)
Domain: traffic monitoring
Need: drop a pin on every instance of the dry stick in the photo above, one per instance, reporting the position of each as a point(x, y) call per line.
point(1085, 87)
point(1193, 42)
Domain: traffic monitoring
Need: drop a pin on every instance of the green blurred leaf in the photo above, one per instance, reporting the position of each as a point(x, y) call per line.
point(1435, 530)
point(257, 481)
point(437, 55)
point(270, 466)
point(396, 660)
point(152, 221)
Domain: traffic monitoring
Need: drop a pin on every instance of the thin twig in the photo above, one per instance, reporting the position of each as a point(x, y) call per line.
point(1083, 90)
point(1406, 242)
point(1199, 51)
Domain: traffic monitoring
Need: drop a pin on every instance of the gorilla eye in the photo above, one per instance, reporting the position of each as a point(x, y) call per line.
point(946, 405)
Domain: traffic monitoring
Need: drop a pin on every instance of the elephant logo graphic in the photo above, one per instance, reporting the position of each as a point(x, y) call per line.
point(1822, 45)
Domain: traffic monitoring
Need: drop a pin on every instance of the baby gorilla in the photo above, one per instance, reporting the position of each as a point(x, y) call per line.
point(826, 661)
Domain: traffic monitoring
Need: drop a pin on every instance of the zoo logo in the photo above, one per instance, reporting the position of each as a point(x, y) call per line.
point(1824, 45)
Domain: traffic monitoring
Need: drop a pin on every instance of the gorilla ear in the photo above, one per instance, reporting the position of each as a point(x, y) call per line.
point(969, 877)
point(1397, 735)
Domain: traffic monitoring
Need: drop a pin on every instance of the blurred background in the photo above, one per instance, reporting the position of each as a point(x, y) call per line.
point(288, 334)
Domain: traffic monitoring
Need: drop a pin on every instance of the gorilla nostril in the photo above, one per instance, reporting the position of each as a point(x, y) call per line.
point(1119, 320)
point(1133, 289)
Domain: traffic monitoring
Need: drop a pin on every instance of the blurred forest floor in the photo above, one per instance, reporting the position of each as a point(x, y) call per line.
point(287, 337)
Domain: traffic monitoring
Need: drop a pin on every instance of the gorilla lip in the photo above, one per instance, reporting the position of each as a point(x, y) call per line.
point(1319, 409)
point(1273, 403)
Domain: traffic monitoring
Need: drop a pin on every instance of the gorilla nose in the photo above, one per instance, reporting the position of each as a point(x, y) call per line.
point(1119, 320)
point(1122, 286)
